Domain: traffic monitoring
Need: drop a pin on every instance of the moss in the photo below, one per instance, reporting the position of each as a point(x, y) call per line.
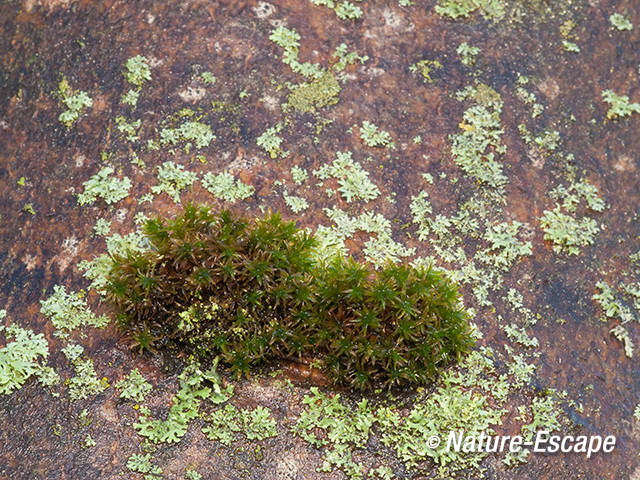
point(273, 301)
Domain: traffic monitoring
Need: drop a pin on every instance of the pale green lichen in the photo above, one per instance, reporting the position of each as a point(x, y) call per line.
point(74, 100)
point(270, 141)
point(454, 9)
point(619, 105)
point(139, 463)
point(130, 98)
point(222, 424)
point(184, 409)
point(296, 204)
point(563, 227)
point(102, 185)
point(68, 311)
point(22, 357)
point(190, 131)
point(134, 387)
point(353, 180)
point(225, 187)
point(620, 22)
point(102, 227)
point(480, 130)
point(85, 382)
point(371, 136)
point(137, 71)
point(173, 179)
point(129, 129)
point(344, 10)
point(566, 232)
point(570, 46)
point(467, 53)
point(346, 58)
point(208, 78)
point(298, 174)
point(289, 40)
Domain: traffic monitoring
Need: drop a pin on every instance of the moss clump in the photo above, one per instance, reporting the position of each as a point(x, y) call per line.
point(251, 291)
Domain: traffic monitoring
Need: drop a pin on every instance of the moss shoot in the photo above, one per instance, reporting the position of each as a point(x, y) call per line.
point(250, 291)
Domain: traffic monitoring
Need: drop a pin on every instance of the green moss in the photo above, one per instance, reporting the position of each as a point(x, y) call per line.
point(257, 293)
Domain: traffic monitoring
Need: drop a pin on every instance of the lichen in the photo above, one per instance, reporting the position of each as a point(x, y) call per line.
point(110, 188)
